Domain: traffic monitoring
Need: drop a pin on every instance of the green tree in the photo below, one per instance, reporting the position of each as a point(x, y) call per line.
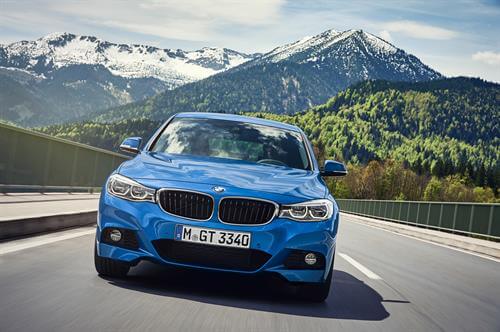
point(485, 195)
point(434, 190)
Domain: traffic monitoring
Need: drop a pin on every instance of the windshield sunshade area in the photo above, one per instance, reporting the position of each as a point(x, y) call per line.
point(234, 140)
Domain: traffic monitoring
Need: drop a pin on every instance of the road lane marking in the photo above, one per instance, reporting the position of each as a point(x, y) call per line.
point(367, 272)
point(426, 241)
point(9, 247)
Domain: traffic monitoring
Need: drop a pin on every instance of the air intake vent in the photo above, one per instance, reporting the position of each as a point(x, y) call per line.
point(186, 204)
point(242, 211)
point(211, 256)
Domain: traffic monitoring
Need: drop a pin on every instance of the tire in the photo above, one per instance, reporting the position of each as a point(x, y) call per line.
point(316, 291)
point(110, 267)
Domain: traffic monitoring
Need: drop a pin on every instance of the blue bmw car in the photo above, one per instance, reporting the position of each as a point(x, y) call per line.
point(222, 192)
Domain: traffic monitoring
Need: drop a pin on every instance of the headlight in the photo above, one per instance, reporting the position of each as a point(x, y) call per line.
point(123, 187)
point(317, 210)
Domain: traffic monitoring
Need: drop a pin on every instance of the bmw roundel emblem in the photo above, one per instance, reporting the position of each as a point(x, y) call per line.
point(218, 189)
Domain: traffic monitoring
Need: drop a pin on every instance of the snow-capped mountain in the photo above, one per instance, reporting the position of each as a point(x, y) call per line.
point(290, 78)
point(309, 47)
point(354, 52)
point(174, 67)
point(63, 76)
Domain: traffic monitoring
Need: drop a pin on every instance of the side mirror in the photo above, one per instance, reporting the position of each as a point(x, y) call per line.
point(333, 168)
point(131, 145)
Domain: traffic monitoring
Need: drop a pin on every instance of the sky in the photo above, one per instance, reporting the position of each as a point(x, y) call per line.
point(460, 37)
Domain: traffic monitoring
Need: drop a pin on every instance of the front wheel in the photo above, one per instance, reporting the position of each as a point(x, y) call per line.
point(110, 267)
point(316, 291)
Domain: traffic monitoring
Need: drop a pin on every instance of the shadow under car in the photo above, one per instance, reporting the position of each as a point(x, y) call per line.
point(350, 298)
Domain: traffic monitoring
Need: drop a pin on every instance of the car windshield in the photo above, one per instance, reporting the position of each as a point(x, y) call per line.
point(234, 140)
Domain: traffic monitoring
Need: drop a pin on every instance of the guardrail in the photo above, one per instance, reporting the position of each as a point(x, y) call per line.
point(473, 219)
point(37, 160)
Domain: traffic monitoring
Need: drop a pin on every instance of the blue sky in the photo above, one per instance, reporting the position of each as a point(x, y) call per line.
point(459, 37)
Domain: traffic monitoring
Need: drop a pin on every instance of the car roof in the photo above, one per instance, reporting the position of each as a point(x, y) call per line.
point(238, 118)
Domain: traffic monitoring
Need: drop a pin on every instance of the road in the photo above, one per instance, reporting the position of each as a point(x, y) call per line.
point(382, 282)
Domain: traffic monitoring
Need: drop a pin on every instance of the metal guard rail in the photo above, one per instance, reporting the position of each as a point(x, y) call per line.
point(472, 219)
point(34, 159)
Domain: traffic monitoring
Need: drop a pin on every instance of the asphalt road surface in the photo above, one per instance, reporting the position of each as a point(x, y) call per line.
point(382, 281)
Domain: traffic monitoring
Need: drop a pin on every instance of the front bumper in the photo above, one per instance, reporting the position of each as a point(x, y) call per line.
point(277, 239)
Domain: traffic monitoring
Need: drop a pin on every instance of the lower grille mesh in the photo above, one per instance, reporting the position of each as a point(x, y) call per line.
point(211, 256)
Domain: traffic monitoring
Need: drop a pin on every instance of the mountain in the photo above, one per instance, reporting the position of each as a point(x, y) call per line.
point(64, 76)
point(441, 127)
point(288, 79)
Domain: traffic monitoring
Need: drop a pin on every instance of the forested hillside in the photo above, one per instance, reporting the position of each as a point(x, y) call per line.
point(438, 128)
point(442, 127)
point(393, 180)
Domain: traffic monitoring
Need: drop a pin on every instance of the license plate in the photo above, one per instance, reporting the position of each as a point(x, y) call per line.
point(212, 236)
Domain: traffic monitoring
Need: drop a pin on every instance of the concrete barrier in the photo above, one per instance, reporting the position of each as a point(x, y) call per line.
point(29, 226)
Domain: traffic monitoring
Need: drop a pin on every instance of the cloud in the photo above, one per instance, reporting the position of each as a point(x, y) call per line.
point(386, 35)
point(246, 12)
point(490, 58)
point(183, 20)
point(419, 30)
point(174, 19)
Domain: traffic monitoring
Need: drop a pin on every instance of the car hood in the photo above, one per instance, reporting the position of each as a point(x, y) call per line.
point(224, 172)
